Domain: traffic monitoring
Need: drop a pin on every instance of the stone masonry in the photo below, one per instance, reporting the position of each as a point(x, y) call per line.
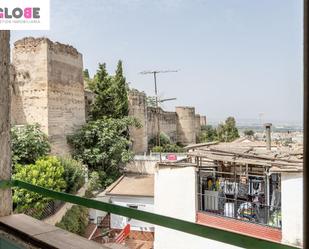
point(182, 126)
point(48, 89)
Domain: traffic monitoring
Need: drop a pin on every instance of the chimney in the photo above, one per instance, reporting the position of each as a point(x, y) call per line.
point(268, 135)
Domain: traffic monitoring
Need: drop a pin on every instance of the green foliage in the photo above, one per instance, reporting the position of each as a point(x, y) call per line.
point(74, 174)
point(165, 144)
point(227, 131)
point(103, 146)
point(121, 93)
point(111, 94)
point(168, 148)
point(151, 101)
point(46, 172)
point(208, 134)
point(89, 194)
point(249, 132)
point(75, 220)
point(28, 144)
point(164, 140)
point(86, 74)
point(94, 181)
point(87, 80)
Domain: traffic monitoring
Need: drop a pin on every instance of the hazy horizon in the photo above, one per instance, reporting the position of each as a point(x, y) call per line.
point(236, 58)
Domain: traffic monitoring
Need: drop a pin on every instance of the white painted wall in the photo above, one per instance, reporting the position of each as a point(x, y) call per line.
point(94, 213)
point(143, 203)
point(292, 208)
point(175, 196)
point(141, 166)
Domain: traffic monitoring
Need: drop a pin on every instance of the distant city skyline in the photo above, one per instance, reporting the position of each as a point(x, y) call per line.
point(236, 58)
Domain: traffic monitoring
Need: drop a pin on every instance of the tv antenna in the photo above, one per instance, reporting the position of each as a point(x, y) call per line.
point(159, 101)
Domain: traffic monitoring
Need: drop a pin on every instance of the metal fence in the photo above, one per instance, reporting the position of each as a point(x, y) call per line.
point(244, 210)
point(49, 209)
point(208, 232)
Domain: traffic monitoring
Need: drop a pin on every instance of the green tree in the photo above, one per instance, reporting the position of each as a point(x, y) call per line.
point(227, 131)
point(87, 80)
point(164, 140)
point(121, 93)
point(86, 74)
point(111, 94)
point(208, 134)
point(168, 148)
point(249, 133)
point(28, 144)
point(101, 145)
point(94, 181)
point(103, 104)
point(46, 172)
point(74, 174)
point(75, 220)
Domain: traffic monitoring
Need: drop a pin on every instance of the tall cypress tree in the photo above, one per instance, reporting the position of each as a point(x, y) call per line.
point(121, 91)
point(111, 94)
point(103, 104)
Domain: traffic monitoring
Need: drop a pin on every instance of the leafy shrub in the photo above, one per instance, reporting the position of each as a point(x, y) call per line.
point(164, 139)
point(227, 131)
point(89, 194)
point(103, 146)
point(75, 220)
point(173, 148)
point(249, 132)
point(94, 181)
point(168, 148)
point(74, 174)
point(46, 172)
point(207, 134)
point(28, 144)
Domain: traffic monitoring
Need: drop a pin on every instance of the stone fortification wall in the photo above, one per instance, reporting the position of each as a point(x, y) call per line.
point(49, 88)
point(203, 120)
point(66, 103)
point(186, 133)
point(197, 124)
point(30, 90)
point(181, 126)
point(138, 109)
point(168, 123)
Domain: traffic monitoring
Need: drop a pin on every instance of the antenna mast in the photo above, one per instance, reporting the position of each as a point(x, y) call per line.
point(157, 101)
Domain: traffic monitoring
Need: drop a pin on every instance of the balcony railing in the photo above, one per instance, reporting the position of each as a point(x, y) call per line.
point(243, 210)
point(212, 233)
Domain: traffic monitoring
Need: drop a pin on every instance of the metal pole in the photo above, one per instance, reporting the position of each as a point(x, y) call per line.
point(158, 113)
point(157, 102)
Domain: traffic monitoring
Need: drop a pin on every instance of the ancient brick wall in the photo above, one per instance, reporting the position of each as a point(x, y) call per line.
point(197, 124)
point(203, 121)
point(66, 98)
point(138, 109)
point(168, 123)
point(186, 133)
point(48, 88)
point(181, 126)
point(29, 95)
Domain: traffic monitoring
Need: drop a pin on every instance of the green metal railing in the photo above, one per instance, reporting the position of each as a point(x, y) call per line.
point(161, 220)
